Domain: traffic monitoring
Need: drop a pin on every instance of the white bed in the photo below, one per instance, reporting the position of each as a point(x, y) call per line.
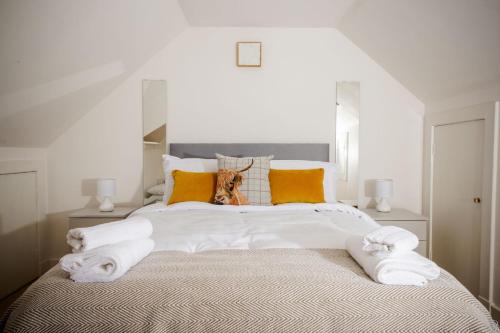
point(247, 269)
point(280, 268)
point(194, 226)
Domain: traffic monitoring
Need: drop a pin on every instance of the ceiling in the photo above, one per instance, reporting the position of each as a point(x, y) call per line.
point(265, 13)
point(435, 48)
point(59, 58)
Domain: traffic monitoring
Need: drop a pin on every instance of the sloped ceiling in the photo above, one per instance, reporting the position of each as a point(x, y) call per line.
point(265, 13)
point(435, 48)
point(59, 58)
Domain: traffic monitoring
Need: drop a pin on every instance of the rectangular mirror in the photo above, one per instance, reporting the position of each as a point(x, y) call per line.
point(154, 115)
point(347, 141)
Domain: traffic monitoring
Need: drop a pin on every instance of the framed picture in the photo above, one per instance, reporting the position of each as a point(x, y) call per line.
point(248, 54)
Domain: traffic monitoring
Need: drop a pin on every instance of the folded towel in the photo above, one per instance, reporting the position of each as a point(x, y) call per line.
point(389, 241)
point(106, 263)
point(405, 269)
point(84, 239)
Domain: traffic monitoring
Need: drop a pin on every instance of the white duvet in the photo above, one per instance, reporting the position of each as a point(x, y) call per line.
point(194, 227)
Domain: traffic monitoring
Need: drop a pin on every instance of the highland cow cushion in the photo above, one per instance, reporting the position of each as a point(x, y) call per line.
point(255, 185)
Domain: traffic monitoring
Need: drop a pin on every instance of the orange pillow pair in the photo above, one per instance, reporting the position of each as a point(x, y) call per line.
point(287, 186)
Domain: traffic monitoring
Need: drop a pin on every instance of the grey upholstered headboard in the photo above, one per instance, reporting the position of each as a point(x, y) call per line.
point(281, 151)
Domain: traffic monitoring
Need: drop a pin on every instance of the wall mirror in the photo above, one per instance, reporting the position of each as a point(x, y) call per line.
point(154, 116)
point(347, 141)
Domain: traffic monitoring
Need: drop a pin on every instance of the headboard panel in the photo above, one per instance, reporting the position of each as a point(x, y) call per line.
point(281, 151)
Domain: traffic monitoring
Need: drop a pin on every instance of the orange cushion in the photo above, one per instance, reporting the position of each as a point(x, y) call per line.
point(193, 186)
point(289, 186)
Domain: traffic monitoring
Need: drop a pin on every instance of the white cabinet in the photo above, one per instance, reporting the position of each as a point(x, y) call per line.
point(88, 217)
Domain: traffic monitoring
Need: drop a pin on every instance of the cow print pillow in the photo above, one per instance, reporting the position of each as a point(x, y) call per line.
point(243, 181)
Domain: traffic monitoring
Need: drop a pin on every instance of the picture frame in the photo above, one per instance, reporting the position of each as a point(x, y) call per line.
point(249, 54)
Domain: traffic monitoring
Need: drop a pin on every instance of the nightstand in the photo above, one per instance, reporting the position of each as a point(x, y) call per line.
point(404, 219)
point(89, 217)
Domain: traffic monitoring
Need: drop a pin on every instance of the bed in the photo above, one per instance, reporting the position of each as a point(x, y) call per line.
point(232, 269)
point(277, 268)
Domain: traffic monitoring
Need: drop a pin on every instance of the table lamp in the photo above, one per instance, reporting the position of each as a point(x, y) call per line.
point(106, 188)
point(383, 190)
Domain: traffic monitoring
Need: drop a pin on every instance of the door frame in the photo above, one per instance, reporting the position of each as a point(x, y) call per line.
point(488, 113)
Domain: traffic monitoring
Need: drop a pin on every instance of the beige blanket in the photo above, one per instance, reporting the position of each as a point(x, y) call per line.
point(245, 291)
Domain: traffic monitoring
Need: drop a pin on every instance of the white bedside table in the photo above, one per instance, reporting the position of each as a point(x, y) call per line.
point(404, 219)
point(89, 217)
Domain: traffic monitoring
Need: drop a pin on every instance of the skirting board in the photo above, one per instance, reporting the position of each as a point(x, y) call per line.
point(484, 301)
point(495, 313)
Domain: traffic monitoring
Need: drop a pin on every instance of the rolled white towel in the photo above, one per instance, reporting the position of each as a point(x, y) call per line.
point(106, 263)
point(389, 241)
point(84, 239)
point(406, 269)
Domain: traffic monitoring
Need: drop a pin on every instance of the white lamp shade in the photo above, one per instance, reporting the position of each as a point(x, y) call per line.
point(383, 188)
point(106, 187)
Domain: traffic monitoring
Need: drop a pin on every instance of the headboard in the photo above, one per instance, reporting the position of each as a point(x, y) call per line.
point(281, 151)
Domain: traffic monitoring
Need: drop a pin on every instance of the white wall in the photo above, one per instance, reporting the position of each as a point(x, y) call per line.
point(473, 97)
point(290, 99)
point(15, 154)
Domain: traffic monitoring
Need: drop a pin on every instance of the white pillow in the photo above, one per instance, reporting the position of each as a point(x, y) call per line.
point(152, 199)
point(171, 163)
point(209, 165)
point(156, 189)
point(329, 180)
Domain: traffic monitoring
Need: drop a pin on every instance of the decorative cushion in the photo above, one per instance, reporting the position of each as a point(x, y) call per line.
point(289, 186)
point(330, 177)
point(255, 181)
point(156, 189)
point(193, 186)
point(171, 163)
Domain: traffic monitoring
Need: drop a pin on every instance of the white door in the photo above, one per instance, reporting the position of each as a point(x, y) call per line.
point(456, 213)
point(18, 231)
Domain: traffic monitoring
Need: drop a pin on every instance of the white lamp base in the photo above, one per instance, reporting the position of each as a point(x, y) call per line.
point(383, 205)
point(106, 205)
